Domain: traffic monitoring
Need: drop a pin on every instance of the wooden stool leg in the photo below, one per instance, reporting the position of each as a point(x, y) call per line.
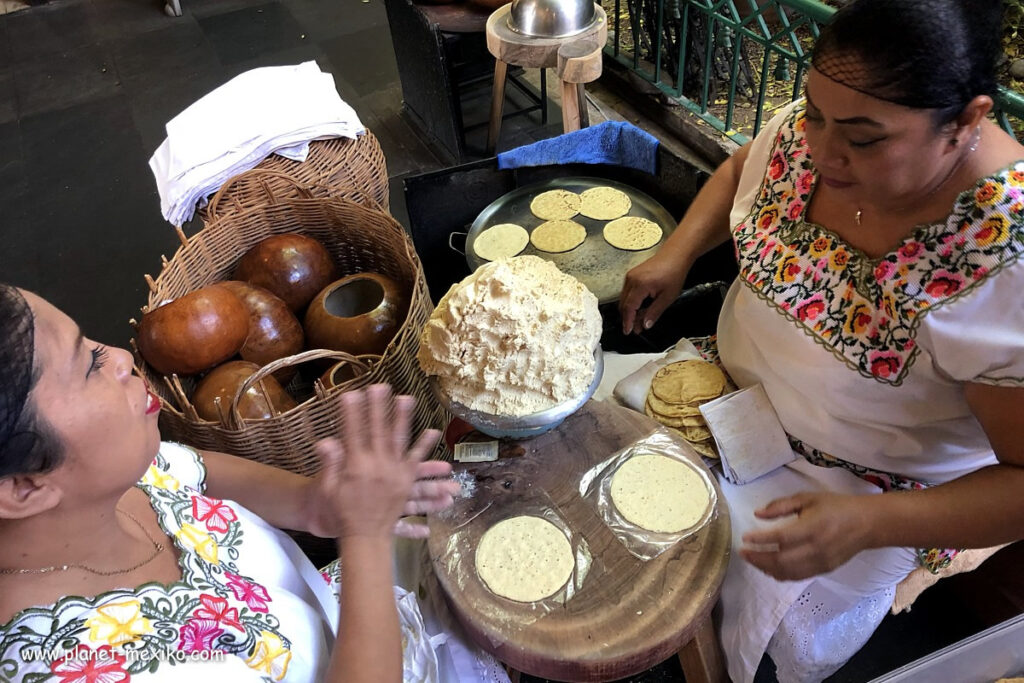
point(570, 107)
point(581, 96)
point(701, 658)
point(497, 104)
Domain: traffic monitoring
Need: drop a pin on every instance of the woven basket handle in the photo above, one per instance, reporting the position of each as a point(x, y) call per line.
point(235, 417)
point(260, 175)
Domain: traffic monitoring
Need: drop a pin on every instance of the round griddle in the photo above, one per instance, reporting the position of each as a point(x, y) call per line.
point(597, 264)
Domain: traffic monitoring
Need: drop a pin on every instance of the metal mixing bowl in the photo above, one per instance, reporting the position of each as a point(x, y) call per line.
point(525, 426)
point(551, 18)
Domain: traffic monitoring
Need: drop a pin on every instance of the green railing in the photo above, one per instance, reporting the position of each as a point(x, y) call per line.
point(732, 62)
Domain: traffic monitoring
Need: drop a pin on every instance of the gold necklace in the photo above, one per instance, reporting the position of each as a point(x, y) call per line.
point(157, 549)
point(956, 167)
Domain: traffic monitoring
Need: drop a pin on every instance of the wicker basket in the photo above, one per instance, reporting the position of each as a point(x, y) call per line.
point(360, 238)
point(333, 165)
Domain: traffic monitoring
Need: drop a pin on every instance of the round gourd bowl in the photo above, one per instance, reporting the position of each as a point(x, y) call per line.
point(551, 18)
point(359, 314)
point(524, 426)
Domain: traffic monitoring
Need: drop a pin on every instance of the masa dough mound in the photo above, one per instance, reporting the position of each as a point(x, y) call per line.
point(501, 241)
point(514, 338)
point(632, 233)
point(555, 205)
point(558, 236)
point(659, 493)
point(524, 558)
point(604, 203)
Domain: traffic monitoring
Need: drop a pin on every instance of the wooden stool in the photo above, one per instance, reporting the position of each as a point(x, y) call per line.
point(580, 63)
point(628, 614)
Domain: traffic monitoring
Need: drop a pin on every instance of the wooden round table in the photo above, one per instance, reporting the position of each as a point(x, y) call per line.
point(629, 614)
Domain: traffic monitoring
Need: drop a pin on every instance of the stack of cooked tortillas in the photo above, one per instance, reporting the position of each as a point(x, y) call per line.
point(677, 392)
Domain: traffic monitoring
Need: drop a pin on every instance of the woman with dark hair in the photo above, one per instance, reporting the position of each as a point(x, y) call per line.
point(879, 225)
point(122, 557)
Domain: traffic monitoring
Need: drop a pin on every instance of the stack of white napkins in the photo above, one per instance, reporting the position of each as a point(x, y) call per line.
point(748, 435)
point(232, 129)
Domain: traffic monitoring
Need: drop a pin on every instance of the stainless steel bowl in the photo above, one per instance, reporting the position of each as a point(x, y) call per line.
point(525, 426)
point(551, 18)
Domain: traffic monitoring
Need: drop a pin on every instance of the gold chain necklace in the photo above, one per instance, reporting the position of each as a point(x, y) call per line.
point(157, 549)
point(956, 167)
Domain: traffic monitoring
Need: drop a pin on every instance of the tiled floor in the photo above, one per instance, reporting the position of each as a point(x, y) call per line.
point(85, 89)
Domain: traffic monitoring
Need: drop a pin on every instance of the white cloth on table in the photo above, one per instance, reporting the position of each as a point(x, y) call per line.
point(235, 127)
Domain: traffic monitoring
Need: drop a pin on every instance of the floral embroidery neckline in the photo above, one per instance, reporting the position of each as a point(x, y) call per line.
point(922, 232)
point(91, 602)
point(212, 608)
point(866, 311)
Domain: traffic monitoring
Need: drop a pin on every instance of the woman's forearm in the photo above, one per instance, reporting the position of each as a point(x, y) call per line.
point(278, 496)
point(706, 222)
point(369, 644)
point(981, 509)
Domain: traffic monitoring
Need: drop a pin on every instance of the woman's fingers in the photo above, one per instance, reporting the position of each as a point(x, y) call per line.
point(633, 296)
point(379, 404)
point(650, 315)
point(788, 565)
point(434, 488)
point(410, 529)
point(780, 507)
point(423, 444)
point(354, 430)
point(431, 469)
point(404, 406)
point(426, 506)
point(331, 453)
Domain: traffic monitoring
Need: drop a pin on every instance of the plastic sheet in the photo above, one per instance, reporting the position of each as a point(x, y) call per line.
point(459, 555)
point(595, 488)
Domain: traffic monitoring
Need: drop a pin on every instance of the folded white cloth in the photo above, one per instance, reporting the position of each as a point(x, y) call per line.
point(235, 127)
point(747, 433)
point(632, 390)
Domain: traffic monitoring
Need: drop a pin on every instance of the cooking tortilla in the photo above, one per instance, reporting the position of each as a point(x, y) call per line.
point(604, 203)
point(632, 233)
point(558, 236)
point(555, 205)
point(501, 241)
point(524, 558)
point(659, 494)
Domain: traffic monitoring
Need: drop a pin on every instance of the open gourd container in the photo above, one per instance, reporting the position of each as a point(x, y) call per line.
point(360, 237)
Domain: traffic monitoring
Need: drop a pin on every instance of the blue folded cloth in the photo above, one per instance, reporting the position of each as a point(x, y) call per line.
point(612, 142)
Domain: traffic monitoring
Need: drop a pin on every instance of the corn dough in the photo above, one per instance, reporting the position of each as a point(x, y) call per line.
point(632, 233)
point(660, 494)
point(604, 203)
point(558, 236)
point(514, 338)
point(555, 205)
point(524, 558)
point(501, 241)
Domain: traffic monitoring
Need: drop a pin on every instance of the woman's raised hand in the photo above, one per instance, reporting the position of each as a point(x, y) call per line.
point(659, 278)
point(371, 476)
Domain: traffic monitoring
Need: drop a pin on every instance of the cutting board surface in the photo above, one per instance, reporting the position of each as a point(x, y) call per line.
point(628, 614)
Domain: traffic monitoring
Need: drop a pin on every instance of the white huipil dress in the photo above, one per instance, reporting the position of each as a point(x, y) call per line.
point(249, 607)
point(863, 359)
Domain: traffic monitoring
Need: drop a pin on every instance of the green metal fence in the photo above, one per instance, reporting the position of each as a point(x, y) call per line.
point(732, 62)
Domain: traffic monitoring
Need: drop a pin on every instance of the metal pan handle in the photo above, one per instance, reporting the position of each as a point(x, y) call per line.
point(455, 248)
